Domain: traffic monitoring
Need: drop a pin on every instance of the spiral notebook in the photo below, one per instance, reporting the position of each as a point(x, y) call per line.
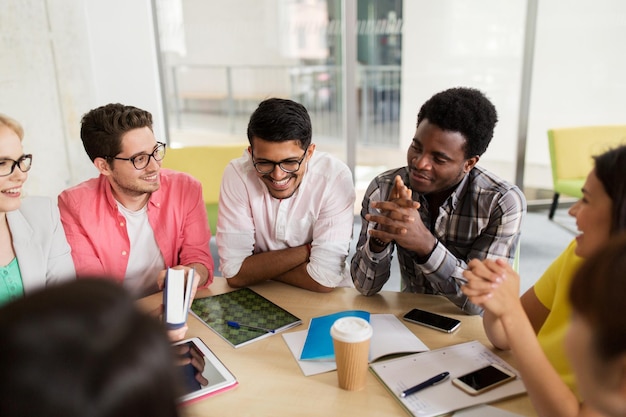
point(402, 373)
point(247, 308)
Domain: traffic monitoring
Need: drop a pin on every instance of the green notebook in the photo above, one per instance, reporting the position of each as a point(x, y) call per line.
point(246, 307)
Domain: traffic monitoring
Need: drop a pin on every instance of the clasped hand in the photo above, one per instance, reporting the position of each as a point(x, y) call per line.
point(492, 284)
point(399, 220)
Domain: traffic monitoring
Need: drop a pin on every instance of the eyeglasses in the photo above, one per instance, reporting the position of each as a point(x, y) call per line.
point(143, 159)
point(288, 165)
point(7, 165)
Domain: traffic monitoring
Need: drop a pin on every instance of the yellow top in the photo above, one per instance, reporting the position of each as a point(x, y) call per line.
point(552, 290)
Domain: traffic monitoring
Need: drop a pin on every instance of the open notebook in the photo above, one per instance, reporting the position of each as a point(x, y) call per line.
point(401, 373)
point(391, 337)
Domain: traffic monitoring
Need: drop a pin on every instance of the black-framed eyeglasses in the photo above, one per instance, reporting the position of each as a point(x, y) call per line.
point(143, 159)
point(7, 165)
point(287, 165)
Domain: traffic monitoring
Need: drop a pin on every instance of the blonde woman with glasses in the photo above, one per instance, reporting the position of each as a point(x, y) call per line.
point(33, 249)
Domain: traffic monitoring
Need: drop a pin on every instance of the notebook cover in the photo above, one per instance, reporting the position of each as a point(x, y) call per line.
point(319, 343)
point(246, 307)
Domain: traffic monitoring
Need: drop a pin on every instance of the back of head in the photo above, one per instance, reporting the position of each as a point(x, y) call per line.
point(83, 349)
point(463, 110)
point(12, 124)
point(279, 120)
point(610, 168)
point(597, 294)
point(102, 128)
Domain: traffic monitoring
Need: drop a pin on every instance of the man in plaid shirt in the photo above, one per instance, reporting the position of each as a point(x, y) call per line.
point(441, 210)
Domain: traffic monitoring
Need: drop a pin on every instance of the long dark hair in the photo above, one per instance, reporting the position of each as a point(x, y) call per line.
point(610, 168)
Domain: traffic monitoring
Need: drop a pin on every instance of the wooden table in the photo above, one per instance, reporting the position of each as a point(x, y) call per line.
point(270, 380)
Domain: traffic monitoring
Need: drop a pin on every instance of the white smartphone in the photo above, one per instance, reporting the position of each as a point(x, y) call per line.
point(432, 320)
point(483, 379)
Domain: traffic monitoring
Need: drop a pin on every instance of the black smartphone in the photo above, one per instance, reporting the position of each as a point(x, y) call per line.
point(483, 379)
point(432, 320)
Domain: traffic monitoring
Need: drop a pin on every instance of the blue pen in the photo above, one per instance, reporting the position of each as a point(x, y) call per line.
point(437, 379)
point(237, 325)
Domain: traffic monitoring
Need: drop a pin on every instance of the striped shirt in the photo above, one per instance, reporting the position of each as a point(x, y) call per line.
point(480, 219)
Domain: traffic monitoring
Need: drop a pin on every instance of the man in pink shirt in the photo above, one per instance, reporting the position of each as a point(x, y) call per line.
point(136, 219)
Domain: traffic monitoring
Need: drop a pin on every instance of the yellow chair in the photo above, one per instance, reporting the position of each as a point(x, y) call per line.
point(571, 151)
point(206, 164)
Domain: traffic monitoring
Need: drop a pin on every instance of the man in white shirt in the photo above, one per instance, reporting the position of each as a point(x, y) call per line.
point(285, 211)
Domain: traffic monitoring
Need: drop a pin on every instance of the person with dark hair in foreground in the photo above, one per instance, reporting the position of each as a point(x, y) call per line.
point(286, 210)
point(441, 210)
point(83, 349)
point(596, 339)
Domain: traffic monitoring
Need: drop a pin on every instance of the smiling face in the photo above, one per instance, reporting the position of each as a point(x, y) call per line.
point(279, 183)
point(132, 187)
point(11, 185)
point(593, 215)
point(436, 159)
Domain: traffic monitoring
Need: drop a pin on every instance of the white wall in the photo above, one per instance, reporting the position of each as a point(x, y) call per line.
point(60, 59)
point(44, 80)
point(123, 54)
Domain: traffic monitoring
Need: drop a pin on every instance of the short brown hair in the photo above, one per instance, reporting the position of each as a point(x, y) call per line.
point(102, 128)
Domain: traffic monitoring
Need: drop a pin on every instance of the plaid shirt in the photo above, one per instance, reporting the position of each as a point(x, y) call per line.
point(480, 219)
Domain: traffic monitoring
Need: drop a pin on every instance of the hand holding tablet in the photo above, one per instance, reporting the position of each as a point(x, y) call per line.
point(202, 373)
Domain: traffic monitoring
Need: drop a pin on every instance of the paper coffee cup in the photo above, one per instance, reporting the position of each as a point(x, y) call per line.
point(351, 341)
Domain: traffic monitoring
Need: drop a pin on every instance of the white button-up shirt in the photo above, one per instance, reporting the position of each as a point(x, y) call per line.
point(320, 212)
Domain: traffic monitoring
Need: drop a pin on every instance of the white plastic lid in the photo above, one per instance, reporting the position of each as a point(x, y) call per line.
point(351, 330)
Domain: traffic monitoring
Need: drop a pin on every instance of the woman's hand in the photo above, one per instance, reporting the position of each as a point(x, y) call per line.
point(493, 285)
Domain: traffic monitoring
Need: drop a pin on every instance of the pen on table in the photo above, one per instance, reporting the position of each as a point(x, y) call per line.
point(437, 379)
point(237, 325)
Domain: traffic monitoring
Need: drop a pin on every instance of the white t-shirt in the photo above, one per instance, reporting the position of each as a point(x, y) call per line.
point(320, 212)
point(145, 260)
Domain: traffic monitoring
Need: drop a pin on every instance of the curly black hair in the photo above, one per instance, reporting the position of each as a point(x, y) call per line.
point(464, 110)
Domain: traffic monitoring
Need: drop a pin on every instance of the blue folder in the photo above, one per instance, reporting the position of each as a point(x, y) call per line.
point(318, 345)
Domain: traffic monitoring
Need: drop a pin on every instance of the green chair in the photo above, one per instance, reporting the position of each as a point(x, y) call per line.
point(206, 164)
point(571, 151)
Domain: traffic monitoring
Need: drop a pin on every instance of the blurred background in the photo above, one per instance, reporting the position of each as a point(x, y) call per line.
point(201, 67)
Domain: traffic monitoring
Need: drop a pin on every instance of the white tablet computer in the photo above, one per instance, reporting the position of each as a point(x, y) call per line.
point(205, 375)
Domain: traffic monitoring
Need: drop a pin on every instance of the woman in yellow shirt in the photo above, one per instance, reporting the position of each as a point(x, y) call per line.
point(534, 325)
